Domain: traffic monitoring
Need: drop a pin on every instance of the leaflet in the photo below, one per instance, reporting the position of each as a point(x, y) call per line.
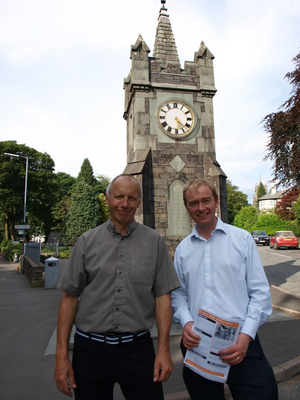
point(216, 334)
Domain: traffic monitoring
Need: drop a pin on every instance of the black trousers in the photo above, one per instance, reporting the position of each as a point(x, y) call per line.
point(98, 366)
point(252, 379)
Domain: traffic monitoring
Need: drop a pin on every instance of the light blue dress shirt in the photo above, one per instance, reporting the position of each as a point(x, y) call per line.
point(225, 275)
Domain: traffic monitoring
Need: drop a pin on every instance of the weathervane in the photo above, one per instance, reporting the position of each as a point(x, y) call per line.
point(163, 2)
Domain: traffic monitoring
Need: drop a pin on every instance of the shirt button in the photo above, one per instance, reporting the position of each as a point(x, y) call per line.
point(119, 290)
point(121, 255)
point(117, 308)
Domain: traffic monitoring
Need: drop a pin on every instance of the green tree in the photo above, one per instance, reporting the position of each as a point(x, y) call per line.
point(296, 222)
point(41, 187)
point(296, 208)
point(103, 208)
point(102, 183)
point(66, 184)
point(3, 227)
point(261, 191)
point(59, 213)
point(246, 218)
point(86, 173)
point(84, 213)
point(283, 128)
point(235, 201)
point(88, 209)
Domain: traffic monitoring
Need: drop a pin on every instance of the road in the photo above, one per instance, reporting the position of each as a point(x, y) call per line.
point(282, 268)
point(289, 390)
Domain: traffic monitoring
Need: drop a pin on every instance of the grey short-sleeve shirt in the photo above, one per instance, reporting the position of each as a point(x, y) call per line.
point(118, 277)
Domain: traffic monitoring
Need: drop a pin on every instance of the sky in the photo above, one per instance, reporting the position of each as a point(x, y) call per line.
point(63, 63)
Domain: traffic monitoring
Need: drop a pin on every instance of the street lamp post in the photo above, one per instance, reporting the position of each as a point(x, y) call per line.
point(25, 191)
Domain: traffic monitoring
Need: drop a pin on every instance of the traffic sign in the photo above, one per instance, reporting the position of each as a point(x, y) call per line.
point(22, 226)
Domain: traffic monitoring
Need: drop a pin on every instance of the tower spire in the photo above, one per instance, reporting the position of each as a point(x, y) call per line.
point(165, 50)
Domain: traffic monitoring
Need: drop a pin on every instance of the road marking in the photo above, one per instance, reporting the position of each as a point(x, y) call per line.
point(277, 254)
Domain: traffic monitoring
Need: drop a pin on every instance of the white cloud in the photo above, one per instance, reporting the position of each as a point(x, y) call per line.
point(62, 65)
point(32, 30)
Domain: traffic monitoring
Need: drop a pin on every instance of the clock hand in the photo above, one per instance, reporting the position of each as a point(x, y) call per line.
point(179, 123)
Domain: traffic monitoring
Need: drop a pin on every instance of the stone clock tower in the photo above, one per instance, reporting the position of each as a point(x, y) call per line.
point(170, 130)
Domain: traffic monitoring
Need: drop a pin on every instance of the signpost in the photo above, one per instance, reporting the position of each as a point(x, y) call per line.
point(22, 227)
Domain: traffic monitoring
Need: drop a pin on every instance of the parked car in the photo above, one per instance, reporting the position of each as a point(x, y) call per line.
point(260, 237)
point(284, 239)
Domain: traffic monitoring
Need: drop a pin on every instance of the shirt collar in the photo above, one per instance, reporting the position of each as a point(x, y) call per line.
point(112, 229)
point(221, 226)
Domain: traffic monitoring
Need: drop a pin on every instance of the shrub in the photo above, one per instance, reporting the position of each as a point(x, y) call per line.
point(8, 250)
point(293, 226)
point(246, 218)
point(270, 223)
point(65, 252)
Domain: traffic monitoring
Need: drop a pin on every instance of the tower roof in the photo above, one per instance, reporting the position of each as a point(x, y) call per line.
point(165, 50)
point(140, 44)
point(204, 52)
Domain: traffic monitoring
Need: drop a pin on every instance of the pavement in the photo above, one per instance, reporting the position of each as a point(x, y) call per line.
point(28, 338)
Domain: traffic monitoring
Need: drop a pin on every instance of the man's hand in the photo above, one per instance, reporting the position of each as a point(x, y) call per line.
point(235, 354)
point(163, 366)
point(163, 314)
point(189, 337)
point(64, 376)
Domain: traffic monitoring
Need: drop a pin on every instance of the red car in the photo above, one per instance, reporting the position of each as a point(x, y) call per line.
point(283, 239)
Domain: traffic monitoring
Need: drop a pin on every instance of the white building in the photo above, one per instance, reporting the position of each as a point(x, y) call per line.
point(268, 201)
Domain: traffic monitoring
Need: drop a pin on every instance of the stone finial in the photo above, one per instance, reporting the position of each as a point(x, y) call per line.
point(140, 44)
point(165, 49)
point(204, 52)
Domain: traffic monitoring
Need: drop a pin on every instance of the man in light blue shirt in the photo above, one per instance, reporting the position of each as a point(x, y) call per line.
point(219, 268)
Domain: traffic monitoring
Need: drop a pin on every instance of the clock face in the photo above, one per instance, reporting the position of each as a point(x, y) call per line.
point(176, 119)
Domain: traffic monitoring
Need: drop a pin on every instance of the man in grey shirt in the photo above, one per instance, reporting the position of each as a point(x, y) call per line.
point(119, 276)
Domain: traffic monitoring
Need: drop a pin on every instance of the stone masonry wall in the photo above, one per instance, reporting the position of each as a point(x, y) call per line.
point(164, 175)
point(34, 272)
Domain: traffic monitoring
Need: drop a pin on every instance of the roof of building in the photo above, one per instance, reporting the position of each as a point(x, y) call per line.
point(272, 196)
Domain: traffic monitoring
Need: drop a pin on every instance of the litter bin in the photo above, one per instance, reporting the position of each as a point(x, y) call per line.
point(51, 273)
point(16, 257)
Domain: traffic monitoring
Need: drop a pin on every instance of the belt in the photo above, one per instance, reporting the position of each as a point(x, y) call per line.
point(112, 338)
